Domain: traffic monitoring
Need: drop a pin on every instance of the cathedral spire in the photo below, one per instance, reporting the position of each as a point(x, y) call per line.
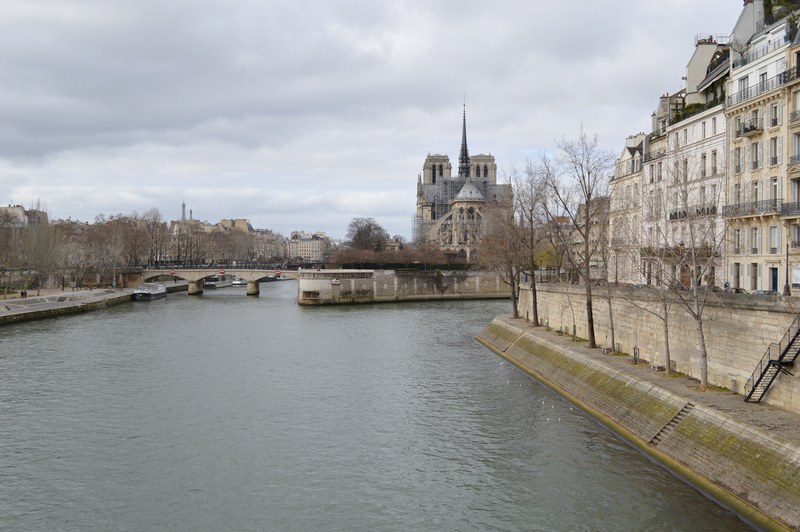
point(463, 157)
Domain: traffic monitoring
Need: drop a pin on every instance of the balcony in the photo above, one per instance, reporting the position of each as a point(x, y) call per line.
point(756, 164)
point(773, 161)
point(748, 129)
point(761, 87)
point(694, 210)
point(790, 209)
point(752, 208)
point(649, 156)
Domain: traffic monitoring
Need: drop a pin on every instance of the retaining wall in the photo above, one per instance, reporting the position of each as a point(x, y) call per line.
point(331, 287)
point(18, 310)
point(738, 330)
point(748, 469)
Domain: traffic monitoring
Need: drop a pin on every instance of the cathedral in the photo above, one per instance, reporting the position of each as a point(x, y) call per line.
point(450, 209)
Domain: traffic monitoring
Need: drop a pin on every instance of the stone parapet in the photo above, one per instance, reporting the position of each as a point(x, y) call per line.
point(738, 329)
point(334, 287)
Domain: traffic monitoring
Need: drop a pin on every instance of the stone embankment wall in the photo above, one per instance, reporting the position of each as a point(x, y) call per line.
point(331, 287)
point(59, 305)
point(755, 473)
point(738, 330)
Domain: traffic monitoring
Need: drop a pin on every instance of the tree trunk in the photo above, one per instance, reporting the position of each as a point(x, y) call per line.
point(701, 348)
point(534, 305)
point(514, 284)
point(667, 361)
point(589, 315)
point(611, 321)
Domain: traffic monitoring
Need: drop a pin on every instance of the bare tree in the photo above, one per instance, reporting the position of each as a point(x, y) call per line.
point(500, 249)
point(530, 192)
point(576, 181)
point(366, 233)
point(158, 235)
point(42, 249)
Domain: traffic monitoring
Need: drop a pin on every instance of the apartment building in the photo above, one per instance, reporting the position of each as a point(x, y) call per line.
point(668, 187)
point(625, 212)
point(759, 218)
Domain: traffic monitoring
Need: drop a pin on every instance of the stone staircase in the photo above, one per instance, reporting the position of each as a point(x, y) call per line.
point(667, 429)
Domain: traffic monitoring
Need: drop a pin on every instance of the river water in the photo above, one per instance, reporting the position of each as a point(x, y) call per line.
point(227, 412)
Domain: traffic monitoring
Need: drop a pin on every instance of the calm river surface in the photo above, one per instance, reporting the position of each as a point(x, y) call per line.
point(224, 412)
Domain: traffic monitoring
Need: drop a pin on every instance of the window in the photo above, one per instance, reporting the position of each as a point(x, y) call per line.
point(737, 241)
point(650, 173)
point(703, 165)
point(685, 137)
point(714, 162)
point(755, 155)
point(743, 83)
point(685, 170)
point(755, 240)
point(774, 239)
point(703, 129)
point(738, 159)
point(754, 276)
point(775, 151)
point(659, 171)
point(796, 148)
point(714, 126)
point(675, 140)
point(754, 191)
point(737, 193)
point(774, 192)
point(775, 114)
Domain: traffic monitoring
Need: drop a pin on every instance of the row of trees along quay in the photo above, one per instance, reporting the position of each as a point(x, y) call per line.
point(80, 254)
point(566, 221)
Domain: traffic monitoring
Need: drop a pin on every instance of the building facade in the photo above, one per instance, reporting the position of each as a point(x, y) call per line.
point(451, 208)
point(760, 220)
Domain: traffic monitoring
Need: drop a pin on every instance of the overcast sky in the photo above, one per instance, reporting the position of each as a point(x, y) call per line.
point(305, 114)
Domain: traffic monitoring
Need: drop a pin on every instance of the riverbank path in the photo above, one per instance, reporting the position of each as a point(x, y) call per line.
point(766, 417)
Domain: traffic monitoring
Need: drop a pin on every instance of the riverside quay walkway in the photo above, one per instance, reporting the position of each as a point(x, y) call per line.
point(53, 303)
point(746, 455)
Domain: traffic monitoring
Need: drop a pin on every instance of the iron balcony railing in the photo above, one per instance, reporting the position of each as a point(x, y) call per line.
point(694, 210)
point(760, 52)
point(751, 208)
point(762, 86)
point(649, 156)
point(790, 209)
point(751, 127)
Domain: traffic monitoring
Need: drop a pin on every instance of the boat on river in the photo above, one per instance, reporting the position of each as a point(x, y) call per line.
point(218, 281)
point(238, 281)
point(148, 291)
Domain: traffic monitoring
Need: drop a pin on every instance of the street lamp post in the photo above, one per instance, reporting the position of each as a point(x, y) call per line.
point(786, 289)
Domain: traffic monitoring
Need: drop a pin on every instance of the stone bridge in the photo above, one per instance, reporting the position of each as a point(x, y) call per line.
point(195, 277)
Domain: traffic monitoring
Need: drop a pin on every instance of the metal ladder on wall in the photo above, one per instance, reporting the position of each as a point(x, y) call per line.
point(775, 361)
